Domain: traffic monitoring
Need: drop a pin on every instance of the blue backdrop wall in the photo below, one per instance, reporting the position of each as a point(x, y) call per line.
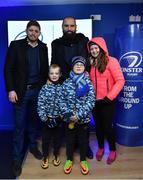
point(113, 16)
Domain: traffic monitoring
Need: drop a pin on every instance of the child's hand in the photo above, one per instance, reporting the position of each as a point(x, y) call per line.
point(74, 118)
point(87, 73)
point(68, 115)
point(62, 117)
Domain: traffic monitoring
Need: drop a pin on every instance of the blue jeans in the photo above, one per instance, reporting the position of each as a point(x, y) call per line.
point(26, 118)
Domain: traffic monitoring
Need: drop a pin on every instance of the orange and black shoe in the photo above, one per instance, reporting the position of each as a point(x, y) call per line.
point(45, 163)
point(84, 167)
point(56, 161)
point(68, 166)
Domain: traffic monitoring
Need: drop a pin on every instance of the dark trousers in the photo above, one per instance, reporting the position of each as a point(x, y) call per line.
point(26, 118)
point(103, 116)
point(80, 132)
point(48, 135)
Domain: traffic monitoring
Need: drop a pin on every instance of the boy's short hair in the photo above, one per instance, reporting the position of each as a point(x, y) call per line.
point(54, 66)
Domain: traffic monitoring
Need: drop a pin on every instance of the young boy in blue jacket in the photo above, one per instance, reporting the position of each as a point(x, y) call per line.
point(49, 113)
point(77, 100)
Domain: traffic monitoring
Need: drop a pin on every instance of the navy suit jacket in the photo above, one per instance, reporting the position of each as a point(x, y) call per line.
point(16, 66)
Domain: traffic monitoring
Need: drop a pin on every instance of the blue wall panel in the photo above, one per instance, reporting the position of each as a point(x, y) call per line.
point(113, 16)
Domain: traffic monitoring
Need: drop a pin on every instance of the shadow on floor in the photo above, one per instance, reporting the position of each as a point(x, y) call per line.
point(6, 154)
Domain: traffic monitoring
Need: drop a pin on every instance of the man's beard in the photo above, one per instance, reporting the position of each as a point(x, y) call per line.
point(69, 34)
point(31, 40)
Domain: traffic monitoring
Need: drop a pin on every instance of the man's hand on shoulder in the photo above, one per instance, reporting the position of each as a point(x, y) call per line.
point(12, 96)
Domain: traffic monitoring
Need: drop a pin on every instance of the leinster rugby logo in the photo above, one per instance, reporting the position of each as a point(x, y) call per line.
point(21, 35)
point(133, 59)
point(130, 63)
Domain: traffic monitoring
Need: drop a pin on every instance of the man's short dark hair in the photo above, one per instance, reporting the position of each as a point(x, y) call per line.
point(69, 17)
point(33, 23)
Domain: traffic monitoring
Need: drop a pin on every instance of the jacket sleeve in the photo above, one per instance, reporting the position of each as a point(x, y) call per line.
point(10, 67)
point(92, 75)
point(54, 52)
point(86, 55)
point(84, 51)
point(42, 105)
point(85, 110)
point(118, 77)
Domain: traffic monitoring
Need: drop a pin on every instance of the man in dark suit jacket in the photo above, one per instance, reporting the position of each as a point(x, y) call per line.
point(26, 70)
point(69, 45)
point(66, 47)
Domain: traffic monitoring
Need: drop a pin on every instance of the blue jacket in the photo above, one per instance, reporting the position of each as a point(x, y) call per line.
point(69, 102)
point(48, 101)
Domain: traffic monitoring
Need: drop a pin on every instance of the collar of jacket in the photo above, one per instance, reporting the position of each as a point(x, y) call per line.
point(29, 43)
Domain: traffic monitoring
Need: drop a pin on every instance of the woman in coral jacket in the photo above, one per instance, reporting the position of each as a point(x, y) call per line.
point(108, 80)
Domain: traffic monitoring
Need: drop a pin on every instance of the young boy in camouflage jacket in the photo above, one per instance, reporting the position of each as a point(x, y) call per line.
point(49, 113)
point(77, 100)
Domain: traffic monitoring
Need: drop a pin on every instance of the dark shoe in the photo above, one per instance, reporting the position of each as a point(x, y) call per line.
point(45, 163)
point(36, 153)
point(89, 154)
point(17, 169)
point(56, 161)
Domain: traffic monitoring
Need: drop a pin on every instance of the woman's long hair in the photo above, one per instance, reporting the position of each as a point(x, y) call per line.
point(100, 62)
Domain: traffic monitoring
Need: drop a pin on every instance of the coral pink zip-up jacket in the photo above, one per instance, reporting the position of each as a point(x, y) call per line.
point(111, 81)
